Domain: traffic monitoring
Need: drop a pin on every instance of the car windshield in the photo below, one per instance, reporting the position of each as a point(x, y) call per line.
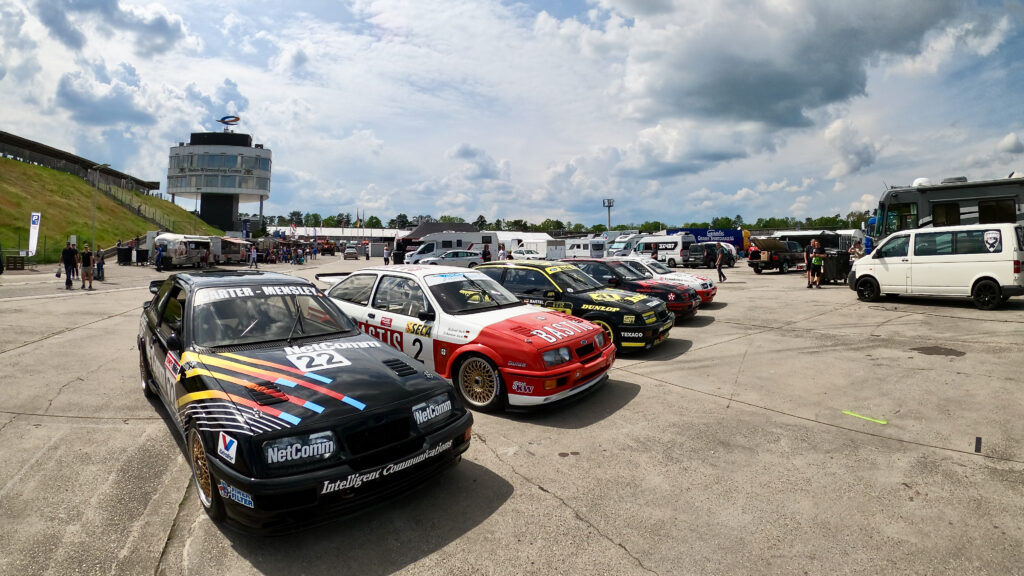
point(467, 292)
point(571, 279)
point(659, 267)
point(639, 268)
point(245, 315)
point(624, 271)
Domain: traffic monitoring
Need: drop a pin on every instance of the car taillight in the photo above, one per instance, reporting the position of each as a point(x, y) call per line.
point(1016, 266)
point(775, 257)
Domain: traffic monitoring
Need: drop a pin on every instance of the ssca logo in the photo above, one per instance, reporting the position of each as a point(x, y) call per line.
point(227, 447)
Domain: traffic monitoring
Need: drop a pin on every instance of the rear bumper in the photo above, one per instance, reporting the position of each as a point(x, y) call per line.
point(1012, 290)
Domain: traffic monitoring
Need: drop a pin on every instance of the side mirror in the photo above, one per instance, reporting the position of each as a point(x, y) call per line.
point(154, 286)
point(147, 304)
point(174, 342)
point(426, 315)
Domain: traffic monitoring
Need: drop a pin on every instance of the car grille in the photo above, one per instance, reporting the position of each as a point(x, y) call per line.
point(379, 442)
point(586, 350)
point(662, 313)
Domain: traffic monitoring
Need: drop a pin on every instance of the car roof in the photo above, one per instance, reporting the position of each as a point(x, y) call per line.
point(233, 278)
point(413, 270)
point(538, 264)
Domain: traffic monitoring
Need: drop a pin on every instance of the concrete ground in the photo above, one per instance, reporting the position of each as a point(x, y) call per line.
point(728, 450)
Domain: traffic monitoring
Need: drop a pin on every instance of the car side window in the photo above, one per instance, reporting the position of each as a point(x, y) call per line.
point(933, 244)
point(527, 281)
point(599, 272)
point(400, 295)
point(355, 289)
point(493, 274)
point(979, 242)
point(894, 248)
point(173, 311)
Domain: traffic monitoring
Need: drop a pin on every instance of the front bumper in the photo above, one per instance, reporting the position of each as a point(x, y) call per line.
point(707, 296)
point(633, 337)
point(533, 389)
point(684, 310)
point(287, 503)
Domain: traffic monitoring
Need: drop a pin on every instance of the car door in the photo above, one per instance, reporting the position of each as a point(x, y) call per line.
point(165, 360)
point(890, 264)
point(401, 315)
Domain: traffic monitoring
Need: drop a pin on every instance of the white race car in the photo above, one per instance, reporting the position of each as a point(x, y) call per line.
point(705, 287)
point(465, 326)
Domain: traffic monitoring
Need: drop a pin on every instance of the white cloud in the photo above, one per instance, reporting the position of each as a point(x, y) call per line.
point(866, 202)
point(1010, 144)
point(799, 206)
point(978, 37)
point(856, 152)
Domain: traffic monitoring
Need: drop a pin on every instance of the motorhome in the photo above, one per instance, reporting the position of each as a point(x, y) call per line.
point(551, 249)
point(585, 248)
point(433, 245)
point(181, 250)
point(624, 245)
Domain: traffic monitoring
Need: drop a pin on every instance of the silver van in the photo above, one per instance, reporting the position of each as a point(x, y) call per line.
point(979, 261)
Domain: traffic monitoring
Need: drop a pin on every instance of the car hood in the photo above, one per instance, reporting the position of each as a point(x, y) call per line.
point(312, 382)
point(528, 323)
point(629, 301)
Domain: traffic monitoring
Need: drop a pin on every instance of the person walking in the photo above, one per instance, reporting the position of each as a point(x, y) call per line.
point(719, 261)
point(817, 262)
point(100, 260)
point(387, 255)
point(69, 258)
point(252, 259)
point(74, 271)
point(159, 257)
point(808, 250)
point(87, 263)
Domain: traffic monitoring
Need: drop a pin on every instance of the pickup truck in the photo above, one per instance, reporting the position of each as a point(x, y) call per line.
point(775, 254)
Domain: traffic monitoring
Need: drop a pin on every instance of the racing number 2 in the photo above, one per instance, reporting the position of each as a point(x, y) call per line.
point(418, 345)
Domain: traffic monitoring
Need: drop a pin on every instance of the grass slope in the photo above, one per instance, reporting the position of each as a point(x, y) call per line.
point(66, 201)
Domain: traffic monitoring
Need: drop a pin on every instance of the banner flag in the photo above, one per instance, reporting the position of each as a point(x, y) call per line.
point(33, 233)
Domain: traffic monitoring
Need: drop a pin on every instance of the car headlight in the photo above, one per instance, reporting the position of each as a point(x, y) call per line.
point(557, 356)
point(303, 449)
point(599, 339)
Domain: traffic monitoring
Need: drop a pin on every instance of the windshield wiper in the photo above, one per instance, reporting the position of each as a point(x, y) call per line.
point(296, 322)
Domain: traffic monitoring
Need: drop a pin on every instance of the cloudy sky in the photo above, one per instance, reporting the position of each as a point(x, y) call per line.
point(680, 110)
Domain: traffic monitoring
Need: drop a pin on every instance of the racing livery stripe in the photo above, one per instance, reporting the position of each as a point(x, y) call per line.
point(254, 386)
point(270, 364)
point(272, 377)
point(192, 397)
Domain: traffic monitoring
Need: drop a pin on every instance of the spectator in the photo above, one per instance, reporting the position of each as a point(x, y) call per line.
point(100, 260)
point(69, 258)
point(387, 255)
point(654, 252)
point(856, 251)
point(501, 252)
point(74, 271)
point(486, 254)
point(720, 261)
point(252, 259)
point(159, 257)
point(87, 263)
point(316, 250)
point(808, 250)
point(817, 262)
point(206, 258)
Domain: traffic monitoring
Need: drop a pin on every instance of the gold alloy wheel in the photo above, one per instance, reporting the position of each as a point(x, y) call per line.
point(478, 381)
point(200, 468)
point(608, 332)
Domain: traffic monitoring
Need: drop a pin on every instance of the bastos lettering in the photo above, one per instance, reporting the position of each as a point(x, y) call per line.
point(357, 480)
point(565, 329)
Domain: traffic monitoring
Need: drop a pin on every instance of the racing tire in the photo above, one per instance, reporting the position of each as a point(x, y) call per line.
point(732, 262)
point(145, 374)
point(605, 325)
point(867, 289)
point(986, 295)
point(209, 498)
point(757, 270)
point(784, 269)
point(479, 383)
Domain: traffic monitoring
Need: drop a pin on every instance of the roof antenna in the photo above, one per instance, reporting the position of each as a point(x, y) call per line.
point(886, 186)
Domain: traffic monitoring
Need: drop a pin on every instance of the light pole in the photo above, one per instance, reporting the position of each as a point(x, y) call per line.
point(608, 203)
point(195, 212)
point(95, 186)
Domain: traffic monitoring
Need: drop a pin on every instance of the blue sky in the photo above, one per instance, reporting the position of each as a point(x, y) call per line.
point(681, 111)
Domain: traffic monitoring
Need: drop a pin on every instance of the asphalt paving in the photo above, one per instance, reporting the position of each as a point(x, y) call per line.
point(781, 430)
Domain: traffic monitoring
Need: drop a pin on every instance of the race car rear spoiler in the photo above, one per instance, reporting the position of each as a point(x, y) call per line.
point(331, 277)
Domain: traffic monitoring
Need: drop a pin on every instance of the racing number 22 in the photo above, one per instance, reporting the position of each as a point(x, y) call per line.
point(319, 360)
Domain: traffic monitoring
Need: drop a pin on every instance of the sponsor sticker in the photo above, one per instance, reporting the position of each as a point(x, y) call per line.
point(315, 360)
point(388, 336)
point(671, 296)
point(599, 308)
point(357, 480)
point(433, 408)
point(632, 334)
point(171, 364)
point(628, 319)
point(521, 387)
point(317, 448)
point(227, 447)
point(553, 269)
point(516, 364)
point(418, 329)
point(386, 322)
point(228, 491)
point(564, 329)
point(992, 239)
point(287, 290)
point(650, 318)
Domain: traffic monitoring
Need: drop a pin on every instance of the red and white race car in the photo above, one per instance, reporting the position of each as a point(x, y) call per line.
point(705, 287)
point(468, 328)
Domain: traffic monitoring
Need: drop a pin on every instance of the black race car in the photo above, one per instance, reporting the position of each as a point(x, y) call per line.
point(682, 300)
point(630, 320)
point(289, 413)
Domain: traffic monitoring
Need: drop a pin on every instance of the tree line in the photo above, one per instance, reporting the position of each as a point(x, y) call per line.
point(400, 221)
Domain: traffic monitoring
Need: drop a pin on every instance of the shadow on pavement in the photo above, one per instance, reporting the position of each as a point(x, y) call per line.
point(582, 411)
point(387, 537)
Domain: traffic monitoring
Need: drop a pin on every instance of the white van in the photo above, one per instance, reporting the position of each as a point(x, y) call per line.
point(980, 261)
point(670, 248)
